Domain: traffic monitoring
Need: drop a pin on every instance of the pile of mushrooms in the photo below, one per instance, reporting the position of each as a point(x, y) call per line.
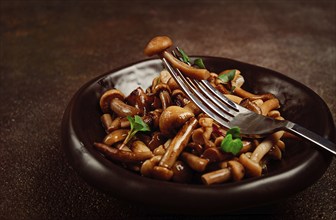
point(183, 144)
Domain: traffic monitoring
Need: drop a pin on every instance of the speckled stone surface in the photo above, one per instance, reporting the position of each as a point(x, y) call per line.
point(48, 49)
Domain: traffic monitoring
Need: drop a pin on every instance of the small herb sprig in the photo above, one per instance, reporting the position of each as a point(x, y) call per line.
point(227, 77)
point(199, 62)
point(137, 124)
point(185, 58)
point(232, 142)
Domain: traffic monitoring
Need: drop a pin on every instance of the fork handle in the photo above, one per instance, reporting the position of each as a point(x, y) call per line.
point(311, 136)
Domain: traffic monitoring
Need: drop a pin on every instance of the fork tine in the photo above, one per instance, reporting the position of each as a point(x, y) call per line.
point(222, 97)
point(219, 102)
point(204, 84)
point(182, 82)
point(204, 99)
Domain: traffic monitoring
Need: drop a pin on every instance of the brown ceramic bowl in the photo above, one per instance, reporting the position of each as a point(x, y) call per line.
point(302, 165)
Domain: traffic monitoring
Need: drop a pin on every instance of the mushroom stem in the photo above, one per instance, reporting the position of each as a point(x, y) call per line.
point(115, 136)
point(172, 118)
point(106, 120)
point(269, 105)
point(242, 93)
point(217, 176)
point(159, 150)
point(178, 143)
point(265, 146)
point(165, 99)
point(163, 91)
point(230, 170)
point(252, 168)
point(237, 170)
point(234, 98)
point(121, 155)
point(251, 163)
point(139, 147)
point(122, 109)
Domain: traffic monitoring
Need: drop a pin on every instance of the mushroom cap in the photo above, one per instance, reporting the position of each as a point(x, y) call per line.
point(157, 45)
point(140, 100)
point(194, 148)
point(160, 150)
point(192, 107)
point(213, 154)
point(152, 118)
point(179, 97)
point(107, 97)
point(196, 163)
point(197, 136)
point(182, 173)
point(173, 84)
point(164, 76)
point(156, 140)
point(275, 152)
point(172, 118)
point(147, 166)
point(162, 173)
point(106, 120)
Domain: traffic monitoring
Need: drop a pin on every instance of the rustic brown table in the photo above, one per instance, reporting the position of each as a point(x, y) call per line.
point(48, 49)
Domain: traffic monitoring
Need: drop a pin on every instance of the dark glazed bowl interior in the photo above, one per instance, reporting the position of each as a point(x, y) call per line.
point(302, 164)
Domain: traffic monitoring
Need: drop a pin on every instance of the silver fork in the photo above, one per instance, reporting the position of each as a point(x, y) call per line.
point(229, 114)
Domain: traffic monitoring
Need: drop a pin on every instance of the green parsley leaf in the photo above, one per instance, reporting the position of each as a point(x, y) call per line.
point(137, 124)
point(185, 57)
point(132, 121)
point(140, 125)
point(232, 142)
point(227, 77)
point(199, 62)
point(234, 131)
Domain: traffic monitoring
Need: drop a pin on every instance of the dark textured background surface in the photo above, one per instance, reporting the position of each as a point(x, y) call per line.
point(48, 49)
